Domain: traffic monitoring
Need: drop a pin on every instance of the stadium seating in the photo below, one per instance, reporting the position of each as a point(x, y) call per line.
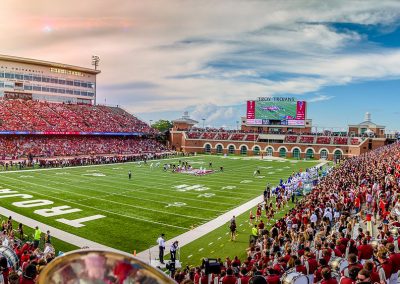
point(48, 146)
point(306, 139)
point(324, 140)
point(340, 140)
point(208, 135)
point(222, 136)
point(251, 137)
point(290, 139)
point(194, 135)
point(237, 136)
point(355, 141)
point(31, 115)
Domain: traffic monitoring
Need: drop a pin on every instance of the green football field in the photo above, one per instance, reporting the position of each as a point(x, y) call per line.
point(134, 212)
point(275, 110)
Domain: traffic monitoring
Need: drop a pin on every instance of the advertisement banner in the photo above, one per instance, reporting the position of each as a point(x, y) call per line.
point(251, 109)
point(301, 110)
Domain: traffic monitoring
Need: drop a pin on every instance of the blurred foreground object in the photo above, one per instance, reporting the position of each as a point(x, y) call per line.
point(98, 266)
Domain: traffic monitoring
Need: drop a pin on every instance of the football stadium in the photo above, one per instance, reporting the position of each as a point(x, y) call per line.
point(92, 192)
point(76, 174)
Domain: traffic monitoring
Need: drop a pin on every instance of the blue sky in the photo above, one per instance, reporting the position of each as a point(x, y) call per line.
point(209, 57)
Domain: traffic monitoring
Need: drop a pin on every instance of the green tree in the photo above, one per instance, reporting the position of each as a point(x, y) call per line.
point(162, 125)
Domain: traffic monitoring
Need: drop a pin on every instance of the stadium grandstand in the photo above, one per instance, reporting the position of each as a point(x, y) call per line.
point(48, 110)
point(296, 141)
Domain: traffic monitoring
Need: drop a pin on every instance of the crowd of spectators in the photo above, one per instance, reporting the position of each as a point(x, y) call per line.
point(355, 141)
point(237, 136)
point(345, 231)
point(17, 147)
point(32, 253)
point(30, 115)
point(290, 138)
point(306, 139)
point(222, 136)
point(340, 140)
point(251, 137)
point(324, 140)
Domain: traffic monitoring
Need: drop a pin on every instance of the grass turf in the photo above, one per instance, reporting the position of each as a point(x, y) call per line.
point(136, 211)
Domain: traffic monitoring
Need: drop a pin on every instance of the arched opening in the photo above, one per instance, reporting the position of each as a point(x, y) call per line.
point(309, 154)
point(337, 155)
point(219, 149)
point(282, 152)
point(324, 154)
point(296, 153)
point(243, 150)
point(256, 151)
point(270, 151)
point(207, 148)
point(231, 149)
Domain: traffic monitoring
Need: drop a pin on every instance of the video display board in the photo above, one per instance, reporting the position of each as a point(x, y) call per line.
point(276, 111)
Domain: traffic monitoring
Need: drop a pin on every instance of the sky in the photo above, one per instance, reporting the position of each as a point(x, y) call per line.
point(161, 58)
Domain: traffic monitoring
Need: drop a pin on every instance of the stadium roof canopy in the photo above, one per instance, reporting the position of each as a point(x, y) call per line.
point(48, 64)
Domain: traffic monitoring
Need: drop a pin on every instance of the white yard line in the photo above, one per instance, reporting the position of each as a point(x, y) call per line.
point(204, 229)
point(95, 208)
point(59, 234)
point(105, 200)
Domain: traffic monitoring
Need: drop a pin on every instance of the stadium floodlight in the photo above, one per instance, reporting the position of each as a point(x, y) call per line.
point(95, 61)
point(203, 119)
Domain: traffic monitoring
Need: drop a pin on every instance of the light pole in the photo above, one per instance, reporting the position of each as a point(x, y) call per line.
point(151, 122)
point(237, 124)
point(203, 119)
point(95, 63)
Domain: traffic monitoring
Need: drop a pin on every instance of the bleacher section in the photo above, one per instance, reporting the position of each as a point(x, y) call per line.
point(340, 140)
point(16, 147)
point(324, 140)
point(208, 135)
point(307, 139)
point(291, 139)
point(222, 136)
point(237, 136)
point(21, 115)
point(251, 137)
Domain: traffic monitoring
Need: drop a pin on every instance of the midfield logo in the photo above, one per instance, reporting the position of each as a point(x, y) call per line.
point(186, 187)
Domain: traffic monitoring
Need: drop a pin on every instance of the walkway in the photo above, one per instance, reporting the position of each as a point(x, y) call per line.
point(204, 229)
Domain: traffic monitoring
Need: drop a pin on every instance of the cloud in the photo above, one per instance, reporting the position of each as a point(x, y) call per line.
point(130, 86)
point(320, 98)
point(157, 56)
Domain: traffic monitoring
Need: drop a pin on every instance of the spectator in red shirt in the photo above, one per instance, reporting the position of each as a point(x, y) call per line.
point(327, 278)
point(365, 251)
point(229, 278)
point(244, 278)
point(352, 278)
point(299, 267)
point(273, 277)
point(395, 259)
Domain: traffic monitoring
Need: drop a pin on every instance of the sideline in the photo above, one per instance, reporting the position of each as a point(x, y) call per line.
point(96, 165)
point(57, 233)
point(204, 229)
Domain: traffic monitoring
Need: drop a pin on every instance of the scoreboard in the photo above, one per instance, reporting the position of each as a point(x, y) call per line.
point(276, 111)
